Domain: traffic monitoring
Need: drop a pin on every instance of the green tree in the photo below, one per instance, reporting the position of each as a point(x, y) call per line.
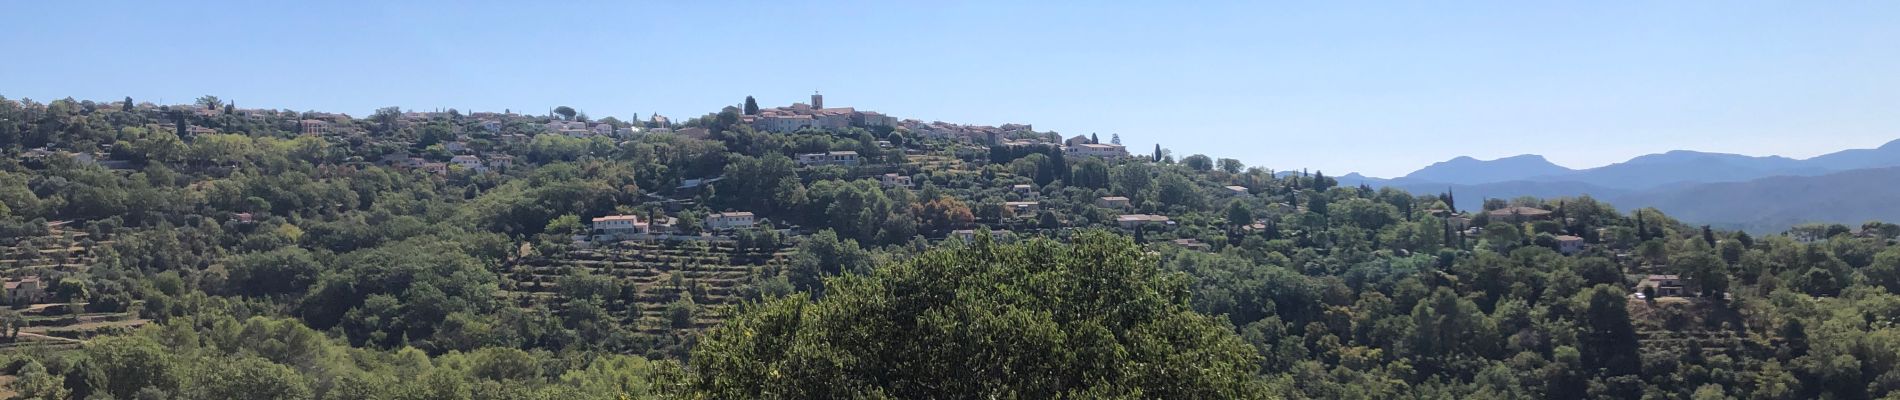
point(10, 323)
point(1608, 341)
point(1037, 320)
point(248, 378)
point(751, 106)
point(824, 255)
point(1230, 165)
point(1090, 173)
point(566, 112)
point(1199, 162)
point(209, 102)
point(1238, 214)
point(132, 363)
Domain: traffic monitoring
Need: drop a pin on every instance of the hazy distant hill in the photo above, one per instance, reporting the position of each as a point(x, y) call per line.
point(1470, 196)
point(1883, 156)
point(1683, 166)
point(1467, 170)
point(1756, 193)
point(1773, 204)
point(1649, 171)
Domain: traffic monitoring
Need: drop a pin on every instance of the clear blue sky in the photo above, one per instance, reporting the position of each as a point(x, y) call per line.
point(1376, 88)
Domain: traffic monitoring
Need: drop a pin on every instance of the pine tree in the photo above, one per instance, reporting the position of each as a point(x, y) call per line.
point(1094, 139)
point(751, 106)
point(128, 104)
point(1115, 138)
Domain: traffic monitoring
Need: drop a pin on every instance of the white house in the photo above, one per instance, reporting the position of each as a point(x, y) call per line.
point(1569, 244)
point(969, 235)
point(618, 226)
point(894, 180)
point(845, 158)
point(1023, 208)
point(1097, 150)
point(1134, 220)
point(501, 161)
point(729, 221)
point(471, 163)
point(1112, 202)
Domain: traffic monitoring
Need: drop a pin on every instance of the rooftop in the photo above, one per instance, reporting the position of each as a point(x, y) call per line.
point(612, 218)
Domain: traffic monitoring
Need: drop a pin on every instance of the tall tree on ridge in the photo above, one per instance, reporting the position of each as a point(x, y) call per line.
point(751, 106)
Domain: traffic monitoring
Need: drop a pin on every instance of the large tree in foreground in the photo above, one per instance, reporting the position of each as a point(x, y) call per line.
point(1037, 320)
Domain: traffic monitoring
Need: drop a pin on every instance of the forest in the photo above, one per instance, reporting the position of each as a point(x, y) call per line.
point(203, 251)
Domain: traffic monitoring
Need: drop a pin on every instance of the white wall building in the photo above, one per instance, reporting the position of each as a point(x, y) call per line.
point(729, 221)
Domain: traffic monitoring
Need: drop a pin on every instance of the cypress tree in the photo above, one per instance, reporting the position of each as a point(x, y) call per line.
point(128, 104)
point(183, 131)
point(751, 106)
point(1094, 139)
point(1642, 231)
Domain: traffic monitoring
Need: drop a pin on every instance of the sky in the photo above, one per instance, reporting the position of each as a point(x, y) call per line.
point(1381, 88)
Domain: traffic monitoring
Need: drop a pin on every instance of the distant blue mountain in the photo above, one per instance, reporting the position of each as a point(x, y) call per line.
point(1649, 171)
point(1467, 170)
point(1757, 193)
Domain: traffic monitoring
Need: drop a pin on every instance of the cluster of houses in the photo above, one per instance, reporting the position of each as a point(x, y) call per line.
point(624, 227)
point(582, 129)
point(839, 158)
point(960, 132)
point(1085, 146)
point(1566, 244)
point(469, 162)
point(815, 115)
point(1074, 147)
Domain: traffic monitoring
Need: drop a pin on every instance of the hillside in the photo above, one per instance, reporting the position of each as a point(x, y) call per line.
point(499, 255)
point(1776, 203)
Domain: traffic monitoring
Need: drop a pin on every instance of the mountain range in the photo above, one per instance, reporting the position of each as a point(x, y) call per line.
point(1756, 193)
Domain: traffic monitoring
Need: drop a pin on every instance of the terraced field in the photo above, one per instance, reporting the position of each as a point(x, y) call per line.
point(1677, 323)
point(713, 275)
point(61, 251)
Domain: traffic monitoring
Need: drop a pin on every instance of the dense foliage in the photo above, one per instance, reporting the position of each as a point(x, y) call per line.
point(1038, 320)
point(228, 253)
